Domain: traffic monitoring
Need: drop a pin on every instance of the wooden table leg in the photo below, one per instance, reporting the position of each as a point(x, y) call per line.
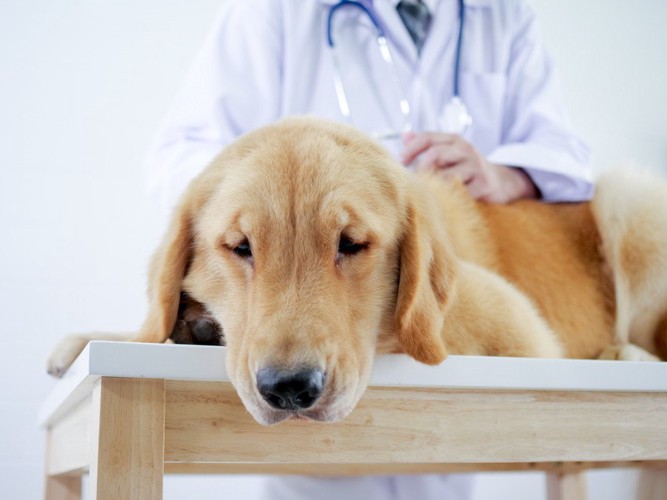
point(127, 454)
point(652, 484)
point(568, 486)
point(63, 488)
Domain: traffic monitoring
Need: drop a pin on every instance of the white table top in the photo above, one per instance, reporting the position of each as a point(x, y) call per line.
point(207, 363)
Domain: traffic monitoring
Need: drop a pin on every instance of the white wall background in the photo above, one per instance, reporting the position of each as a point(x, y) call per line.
point(83, 85)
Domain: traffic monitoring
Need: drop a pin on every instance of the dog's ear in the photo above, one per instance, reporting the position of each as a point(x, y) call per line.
point(165, 276)
point(426, 283)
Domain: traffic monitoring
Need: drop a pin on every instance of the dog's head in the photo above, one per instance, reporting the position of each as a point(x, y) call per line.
point(307, 242)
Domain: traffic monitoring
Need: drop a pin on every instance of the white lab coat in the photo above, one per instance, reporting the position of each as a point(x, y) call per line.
point(267, 59)
point(417, 487)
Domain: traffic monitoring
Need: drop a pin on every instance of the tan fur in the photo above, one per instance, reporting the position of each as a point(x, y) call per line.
point(631, 210)
point(441, 273)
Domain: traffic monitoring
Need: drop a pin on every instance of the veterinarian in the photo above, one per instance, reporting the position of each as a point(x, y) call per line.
point(266, 59)
point(461, 86)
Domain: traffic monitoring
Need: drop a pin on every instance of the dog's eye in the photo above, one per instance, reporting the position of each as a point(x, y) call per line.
point(347, 246)
point(242, 249)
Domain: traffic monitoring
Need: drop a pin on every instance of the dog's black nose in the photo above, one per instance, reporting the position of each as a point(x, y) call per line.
point(290, 389)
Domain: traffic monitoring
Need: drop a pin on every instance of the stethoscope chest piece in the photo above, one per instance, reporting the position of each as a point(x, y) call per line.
point(455, 118)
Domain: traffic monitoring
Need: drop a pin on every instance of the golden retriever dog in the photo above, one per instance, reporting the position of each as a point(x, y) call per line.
point(314, 250)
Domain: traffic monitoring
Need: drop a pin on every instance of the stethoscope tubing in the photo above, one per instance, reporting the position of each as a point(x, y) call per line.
point(459, 44)
point(455, 110)
point(358, 5)
point(380, 31)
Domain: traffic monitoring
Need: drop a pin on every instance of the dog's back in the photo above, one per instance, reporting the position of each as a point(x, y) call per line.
point(594, 270)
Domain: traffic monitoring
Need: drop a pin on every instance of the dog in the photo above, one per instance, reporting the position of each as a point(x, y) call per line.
point(307, 250)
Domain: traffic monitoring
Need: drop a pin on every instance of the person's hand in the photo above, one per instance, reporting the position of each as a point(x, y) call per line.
point(453, 157)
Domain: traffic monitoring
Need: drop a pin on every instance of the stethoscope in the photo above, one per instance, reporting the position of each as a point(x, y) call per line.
point(455, 118)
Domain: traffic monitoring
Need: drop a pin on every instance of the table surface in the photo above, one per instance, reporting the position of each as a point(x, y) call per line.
point(207, 363)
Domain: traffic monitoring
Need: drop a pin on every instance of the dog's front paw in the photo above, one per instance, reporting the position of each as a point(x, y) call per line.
point(195, 324)
point(64, 354)
point(627, 352)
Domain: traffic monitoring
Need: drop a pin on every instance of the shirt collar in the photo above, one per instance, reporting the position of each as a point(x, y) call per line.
point(431, 4)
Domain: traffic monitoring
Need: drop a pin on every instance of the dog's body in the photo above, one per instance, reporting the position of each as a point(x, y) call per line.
point(314, 250)
point(550, 252)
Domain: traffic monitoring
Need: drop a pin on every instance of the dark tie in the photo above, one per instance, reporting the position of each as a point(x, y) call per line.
point(417, 19)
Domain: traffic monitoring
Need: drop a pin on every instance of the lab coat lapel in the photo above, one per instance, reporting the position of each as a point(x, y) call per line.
point(443, 33)
point(395, 30)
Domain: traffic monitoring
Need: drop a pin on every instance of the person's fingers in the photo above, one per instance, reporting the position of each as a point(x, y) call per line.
point(441, 156)
point(408, 137)
point(478, 187)
point(465, 172)
point(416, 143)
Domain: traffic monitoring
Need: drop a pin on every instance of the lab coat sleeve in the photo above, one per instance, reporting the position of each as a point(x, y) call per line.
point(233, 86)
point(537, 135)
